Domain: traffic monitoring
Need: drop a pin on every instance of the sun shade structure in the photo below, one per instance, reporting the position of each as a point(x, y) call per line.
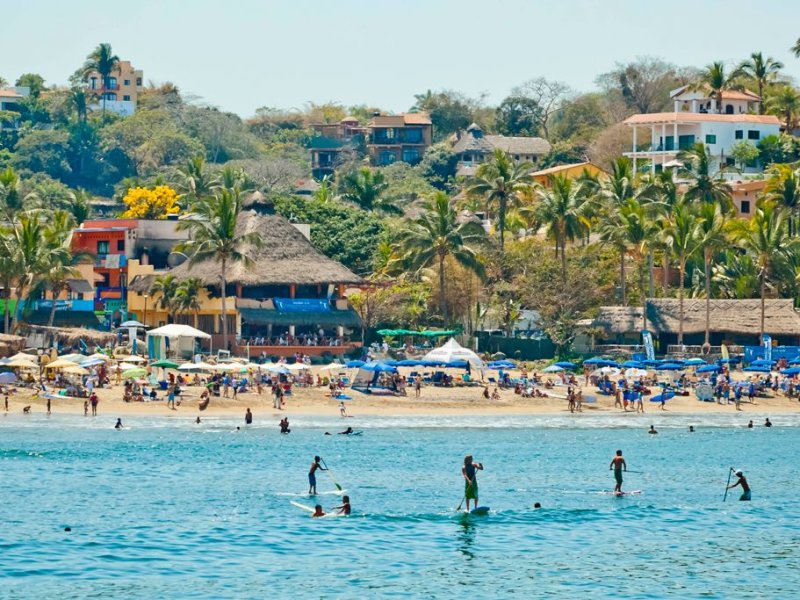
point(451, 352)
point(174, 330)
point(428, 333)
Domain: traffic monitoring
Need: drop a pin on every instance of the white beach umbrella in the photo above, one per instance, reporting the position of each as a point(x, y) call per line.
point(634, 373)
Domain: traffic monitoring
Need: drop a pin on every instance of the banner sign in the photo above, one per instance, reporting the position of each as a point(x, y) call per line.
point(647, 339)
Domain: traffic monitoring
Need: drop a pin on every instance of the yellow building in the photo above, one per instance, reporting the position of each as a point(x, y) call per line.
point(571, 171)
point(120, 92)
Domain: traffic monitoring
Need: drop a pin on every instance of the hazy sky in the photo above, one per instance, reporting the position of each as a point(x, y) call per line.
point(242, 54)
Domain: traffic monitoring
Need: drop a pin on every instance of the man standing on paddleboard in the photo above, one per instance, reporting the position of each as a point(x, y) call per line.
point(469, 471)
point(745, 487)
point(618, 464)
point(312, 478)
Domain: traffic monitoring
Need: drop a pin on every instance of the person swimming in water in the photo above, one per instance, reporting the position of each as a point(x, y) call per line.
point(312, 477)
point(344, 509)
point(119, 424)
point(742, 481)
point(652, 430)
point(347, 431)
point(767, 423)
point(318, 512)
point(469, 471)
point(618, 464)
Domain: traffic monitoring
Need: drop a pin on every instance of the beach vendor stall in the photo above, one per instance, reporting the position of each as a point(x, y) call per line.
point(174, 340)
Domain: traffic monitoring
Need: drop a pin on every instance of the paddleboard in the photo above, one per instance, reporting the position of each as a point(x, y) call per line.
point(303, 507)
point(480, 510)
point(621, 493)
point(307, 495)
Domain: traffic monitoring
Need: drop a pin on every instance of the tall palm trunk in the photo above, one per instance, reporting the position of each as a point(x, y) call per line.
point(501, 222)
point(622, 276)
point(707, 270)
point(52, 317)
point(763, 295)
point(6, 310)
point(650, 266)
point(681, 269)
point(665, 268)
point(442, 302)
point(223, 297)
point(644, 295)
point(564, 260)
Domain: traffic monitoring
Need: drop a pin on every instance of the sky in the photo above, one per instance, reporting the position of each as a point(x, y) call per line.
point(239, 55)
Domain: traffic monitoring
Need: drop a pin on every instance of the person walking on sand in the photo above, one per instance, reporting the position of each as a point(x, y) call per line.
point(417, 385)
point(312, 477)
point(470, 471)
point(5, 401)
point(746, 495)
point(618, 464)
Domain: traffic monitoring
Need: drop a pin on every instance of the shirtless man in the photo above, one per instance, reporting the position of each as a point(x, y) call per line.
point(619, 465)
point(745, 488)
point(469, 471)
point(344, 509)
point(312, 478)
point(318, 512)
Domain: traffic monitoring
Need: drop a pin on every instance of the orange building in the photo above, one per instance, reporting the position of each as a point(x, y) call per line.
point(571, 171)
point(396, 138)
point(120, 92)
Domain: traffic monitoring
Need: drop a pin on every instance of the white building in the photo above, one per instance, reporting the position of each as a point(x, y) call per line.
point(10, 99)
point(658, 137)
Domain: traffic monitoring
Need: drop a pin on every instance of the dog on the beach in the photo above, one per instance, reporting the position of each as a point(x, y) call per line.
point(26, 410)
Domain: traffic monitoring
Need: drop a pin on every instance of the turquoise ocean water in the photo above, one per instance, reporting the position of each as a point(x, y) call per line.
point(170, 509)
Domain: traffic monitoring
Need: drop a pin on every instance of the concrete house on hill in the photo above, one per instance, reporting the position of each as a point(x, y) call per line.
point(473, 147)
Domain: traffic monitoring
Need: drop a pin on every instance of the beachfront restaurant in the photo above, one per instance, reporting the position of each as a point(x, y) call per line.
point(731, 322)
point(290, 299)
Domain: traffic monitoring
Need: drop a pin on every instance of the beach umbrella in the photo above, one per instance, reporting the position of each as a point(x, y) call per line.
point(553, 369)
point(134, 373)
point(408, 362)
point(762, 362)
point(76, 370)
point(24, 356)
point(127, 366)
point(73, 358)
point(633, 373)
point(695, 362)
point(131, 324)
point(60, 363)
point(565, 364)
point(92, 362)
point(332, 367)
point(100, 356)
point(792, 371)
point(165, 364)
point(595, 361)
point(633, 364)
point(131, 359)
point(21, 364)
point(757, 369)
point(278, 369)
point(669, 367)
point(354, 364)
point(198, 366)
point(610, 371)
point(8, 377)
point(709, 369)
point(729, 360)
point(379, 367)
point(297, 367)
point(663, 396)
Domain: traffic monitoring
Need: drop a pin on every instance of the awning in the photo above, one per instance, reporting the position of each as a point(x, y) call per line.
point(330, 318)
point(79, 286)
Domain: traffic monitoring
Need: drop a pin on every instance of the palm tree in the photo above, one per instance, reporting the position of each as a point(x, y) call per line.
point(230, 178)
point(194, 181)
point(762, 71)
point(783, 187)
point(716, 81)
point(682, 236)
point(79, 206)
point(632, 228)
point(785, 103)
point(29, 255)
point(187, 296)
point(796, 48)
point(766, 237)
point(13, 199)
point(104, 62)
point(663, 191)
point(8, 271)
point(736, 274)
point(703, 186)
point(165, 287)
point(499, 181)
point(215, 237)
point(711, 229)
point(364, 188)
point(564, 209)
point(436, 235)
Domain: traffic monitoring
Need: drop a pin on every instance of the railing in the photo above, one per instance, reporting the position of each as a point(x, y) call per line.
point(694, 350)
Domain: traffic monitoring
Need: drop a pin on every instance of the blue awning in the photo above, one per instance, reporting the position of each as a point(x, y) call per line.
point(302, 304)
point(327, 318)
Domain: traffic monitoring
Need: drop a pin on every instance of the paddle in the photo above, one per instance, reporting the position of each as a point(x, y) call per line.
point(330, 474)
point(727, 484)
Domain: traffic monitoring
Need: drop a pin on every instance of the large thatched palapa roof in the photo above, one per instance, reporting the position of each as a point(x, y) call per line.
point(70, 335)
point(286, 258)
point(729, 316)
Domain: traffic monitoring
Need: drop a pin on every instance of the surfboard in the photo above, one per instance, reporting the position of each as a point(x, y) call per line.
point(480, 510)
point(633, 492)
point(303, 507)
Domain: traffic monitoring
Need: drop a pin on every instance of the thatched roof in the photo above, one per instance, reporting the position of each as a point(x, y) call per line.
point(728, 316)
point(70, 335)
point(286, 258)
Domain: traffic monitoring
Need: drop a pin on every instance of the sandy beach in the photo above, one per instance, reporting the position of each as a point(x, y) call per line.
point(433, 401)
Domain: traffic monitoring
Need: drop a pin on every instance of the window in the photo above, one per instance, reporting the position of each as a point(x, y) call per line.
point(126, 98)
point(386, 157)
point(93, 83)
point(730, 161)
point(711, 139)
point(112, 83)
point(753, 135)
point(413, 136)
point(138, 81)
point(739, 134)
point(410, 155)
point(102, 247)
point(126, 82)
point(685, 142)
point(110, 96)
point(745, 210)
point(120, 245)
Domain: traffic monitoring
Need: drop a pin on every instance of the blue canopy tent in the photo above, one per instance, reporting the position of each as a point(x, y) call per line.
point(761, 362)
point(353, 364)
point(601, 362)
point(709, 369)
point(670, 367)
point(502, 364)
point(633, 364)
point(368, 378)
point(757, 369)
point(695, 362)
point(791, 371)
point(565, 364)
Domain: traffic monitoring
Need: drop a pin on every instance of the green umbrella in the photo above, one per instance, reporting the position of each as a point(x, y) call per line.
point(134, 373)
point(165, 364)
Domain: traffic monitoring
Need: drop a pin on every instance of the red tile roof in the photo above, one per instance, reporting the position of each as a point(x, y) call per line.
point(689, 117)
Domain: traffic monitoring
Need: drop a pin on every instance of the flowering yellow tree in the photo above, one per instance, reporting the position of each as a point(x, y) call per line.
point(144, 203)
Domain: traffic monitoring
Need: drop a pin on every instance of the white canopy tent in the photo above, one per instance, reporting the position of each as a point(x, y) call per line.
point(181, 338)
point(452, 351)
